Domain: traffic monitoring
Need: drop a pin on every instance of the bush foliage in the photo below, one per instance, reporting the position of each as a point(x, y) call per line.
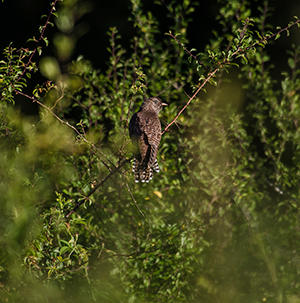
point(220, 223)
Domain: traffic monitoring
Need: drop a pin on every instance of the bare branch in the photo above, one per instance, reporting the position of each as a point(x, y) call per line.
point(191, 98)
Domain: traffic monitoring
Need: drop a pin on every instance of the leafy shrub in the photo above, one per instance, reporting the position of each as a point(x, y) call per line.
point(220, 222)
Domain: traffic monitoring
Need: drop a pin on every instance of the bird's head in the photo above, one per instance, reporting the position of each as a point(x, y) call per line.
point(153, 104)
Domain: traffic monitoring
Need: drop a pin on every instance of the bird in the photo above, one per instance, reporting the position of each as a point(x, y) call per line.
point(145, 133)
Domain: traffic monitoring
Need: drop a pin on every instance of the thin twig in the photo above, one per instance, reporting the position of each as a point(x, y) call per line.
point(62, 89)
point(191, 98)
point(33, 99)
point(222, 64)
point(98, 185)
point(133, 199)
point(80, 135)
point(184, 48)
point(41, 37)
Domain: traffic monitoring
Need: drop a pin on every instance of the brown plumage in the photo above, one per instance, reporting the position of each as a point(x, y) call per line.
point(145, 132)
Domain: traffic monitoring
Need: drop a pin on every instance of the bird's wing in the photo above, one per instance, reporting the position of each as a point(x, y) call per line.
point(150, 126)
point(135, 130)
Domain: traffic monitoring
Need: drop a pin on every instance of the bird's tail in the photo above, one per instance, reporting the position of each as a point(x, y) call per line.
point(155, 166)
point(142, 173)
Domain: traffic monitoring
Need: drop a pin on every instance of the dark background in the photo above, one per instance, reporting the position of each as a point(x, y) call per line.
point(19, 20)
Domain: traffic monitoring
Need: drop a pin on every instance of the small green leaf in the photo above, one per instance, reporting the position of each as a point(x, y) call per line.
point(63, 250)
point(291, 63)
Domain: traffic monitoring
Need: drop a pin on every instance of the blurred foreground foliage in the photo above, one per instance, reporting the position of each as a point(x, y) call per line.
point(220, 223)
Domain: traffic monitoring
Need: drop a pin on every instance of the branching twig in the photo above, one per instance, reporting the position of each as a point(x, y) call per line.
point(226, 61)
point(98, 185)
point(33, 99)
point(80, 135)
point(184, 48)
point(266, 38)
point(41, 37)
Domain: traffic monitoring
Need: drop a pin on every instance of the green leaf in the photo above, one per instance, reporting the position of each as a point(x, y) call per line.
point(291, 63)
point(64, 249)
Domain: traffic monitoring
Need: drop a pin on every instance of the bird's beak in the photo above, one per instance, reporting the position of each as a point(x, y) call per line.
point(164, 104)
